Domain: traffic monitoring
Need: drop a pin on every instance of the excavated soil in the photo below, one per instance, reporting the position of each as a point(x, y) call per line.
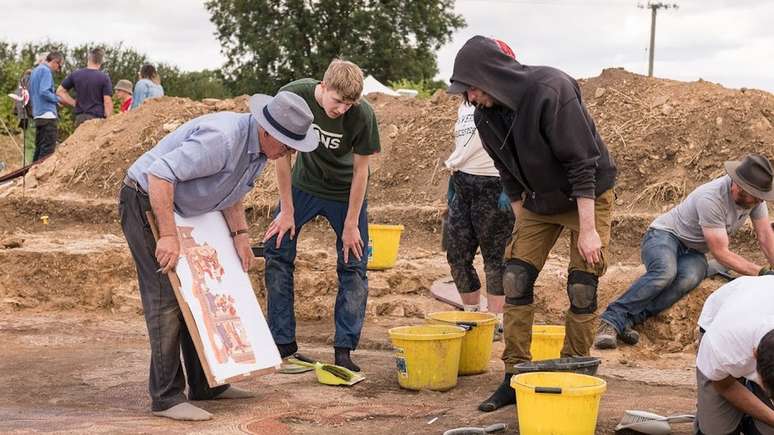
point(64, 260)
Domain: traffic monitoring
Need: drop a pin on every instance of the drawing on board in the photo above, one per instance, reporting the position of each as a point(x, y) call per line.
point(232, 332)
point(225, 331)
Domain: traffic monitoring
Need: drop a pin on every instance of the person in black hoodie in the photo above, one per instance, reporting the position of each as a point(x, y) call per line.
point(558, 174)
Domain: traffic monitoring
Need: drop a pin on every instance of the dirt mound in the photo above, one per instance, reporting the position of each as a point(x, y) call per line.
point(669, 136)
point(93, 161)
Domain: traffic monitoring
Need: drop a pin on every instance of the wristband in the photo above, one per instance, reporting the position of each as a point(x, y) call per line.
point(238, 232)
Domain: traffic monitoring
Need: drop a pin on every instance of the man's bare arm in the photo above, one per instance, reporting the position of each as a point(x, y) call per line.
point(717, 241)
point(161, 194)
point(744, 400)
point(64, 96)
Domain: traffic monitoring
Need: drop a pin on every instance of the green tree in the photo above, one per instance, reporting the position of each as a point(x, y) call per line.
point(271, 42)
point(195, 85)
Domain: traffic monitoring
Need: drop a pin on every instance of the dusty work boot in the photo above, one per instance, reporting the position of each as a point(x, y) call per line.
point(606, 336)
point(504, 395)
point(343, 359)
point(517, 333)
point(184, 412)
point(233, 392)
point(579, 334)
point(629, 336)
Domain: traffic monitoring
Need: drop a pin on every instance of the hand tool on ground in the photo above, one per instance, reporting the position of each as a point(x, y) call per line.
point(290, 368)
point(444, 290)
point(328, 374)
point(497, 427)
point(716, 269)
point(649, 423)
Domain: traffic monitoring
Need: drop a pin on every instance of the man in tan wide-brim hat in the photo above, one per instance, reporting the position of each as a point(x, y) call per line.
point(675, 246)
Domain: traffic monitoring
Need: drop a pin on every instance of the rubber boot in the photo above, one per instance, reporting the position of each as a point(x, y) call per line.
point(579, 334)
point(517, 332)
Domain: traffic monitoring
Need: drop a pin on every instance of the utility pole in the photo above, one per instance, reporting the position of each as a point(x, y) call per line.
point(654, 6)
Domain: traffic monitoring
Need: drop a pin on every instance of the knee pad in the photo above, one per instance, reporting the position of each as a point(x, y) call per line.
point(519, 282)
point(582, 290)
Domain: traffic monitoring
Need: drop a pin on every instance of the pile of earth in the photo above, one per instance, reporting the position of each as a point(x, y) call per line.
point(669, 136)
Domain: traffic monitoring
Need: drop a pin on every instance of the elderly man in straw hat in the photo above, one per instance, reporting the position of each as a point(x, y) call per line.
point(675, 246)
point(209, 163)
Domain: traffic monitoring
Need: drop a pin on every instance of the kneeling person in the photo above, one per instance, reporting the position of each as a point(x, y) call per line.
point(675, 245)
point(735, 361)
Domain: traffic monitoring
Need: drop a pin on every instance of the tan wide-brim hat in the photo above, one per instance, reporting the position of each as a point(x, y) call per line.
point(754, 175)
point(124, 85)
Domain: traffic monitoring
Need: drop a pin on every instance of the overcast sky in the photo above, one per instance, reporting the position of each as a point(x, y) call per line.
point(726, 41)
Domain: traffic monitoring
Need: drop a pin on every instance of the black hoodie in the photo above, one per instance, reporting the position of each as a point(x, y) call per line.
point(539, 134)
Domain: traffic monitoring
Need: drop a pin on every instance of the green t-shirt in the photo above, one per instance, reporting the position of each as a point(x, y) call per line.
point(327, 171)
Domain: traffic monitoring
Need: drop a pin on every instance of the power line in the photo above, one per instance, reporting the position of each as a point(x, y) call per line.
point(654, 7)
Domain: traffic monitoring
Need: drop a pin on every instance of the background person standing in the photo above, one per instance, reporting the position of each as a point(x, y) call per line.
point(123, 92)
point(44, 104)
point(149, 86)
point(93, 89)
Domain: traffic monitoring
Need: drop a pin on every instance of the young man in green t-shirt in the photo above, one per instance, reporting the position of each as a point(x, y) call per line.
point(331, 182)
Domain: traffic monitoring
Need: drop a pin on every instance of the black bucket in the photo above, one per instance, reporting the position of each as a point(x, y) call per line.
point(585, 365)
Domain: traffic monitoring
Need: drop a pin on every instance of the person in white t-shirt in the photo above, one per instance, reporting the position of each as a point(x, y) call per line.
point(735, 361)
point(479, 215)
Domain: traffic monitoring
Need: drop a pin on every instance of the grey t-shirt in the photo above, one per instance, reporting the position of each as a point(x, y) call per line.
point(709, 206)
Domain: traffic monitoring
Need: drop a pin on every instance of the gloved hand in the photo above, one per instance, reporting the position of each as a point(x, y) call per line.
point(766, 270)
point(504, 202)
point(450, 192)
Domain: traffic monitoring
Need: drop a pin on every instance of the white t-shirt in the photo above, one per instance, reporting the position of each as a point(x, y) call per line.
point(735, 318)
point(469, 155)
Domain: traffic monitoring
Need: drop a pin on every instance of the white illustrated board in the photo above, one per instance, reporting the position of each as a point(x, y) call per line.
point(233, 338)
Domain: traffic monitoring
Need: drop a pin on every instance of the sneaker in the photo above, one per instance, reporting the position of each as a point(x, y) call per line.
point(629, 336)
point(343, 359)
point(606, 336)
point(287, 350)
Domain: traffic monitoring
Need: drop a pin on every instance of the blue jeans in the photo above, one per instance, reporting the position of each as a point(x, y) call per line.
point(349, 311)
point(673, 270)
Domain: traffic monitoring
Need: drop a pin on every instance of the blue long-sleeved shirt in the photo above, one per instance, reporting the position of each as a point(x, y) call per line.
point(212, 160)
point(41, 90)
point(145, 89)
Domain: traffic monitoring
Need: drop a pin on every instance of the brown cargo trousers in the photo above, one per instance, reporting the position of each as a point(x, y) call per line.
point(533, 238)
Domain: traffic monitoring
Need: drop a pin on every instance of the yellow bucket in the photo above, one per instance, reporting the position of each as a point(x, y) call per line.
point(553, 403)
point(477, 344)
point(547, 341)
point(427, 356)
point(383, 243)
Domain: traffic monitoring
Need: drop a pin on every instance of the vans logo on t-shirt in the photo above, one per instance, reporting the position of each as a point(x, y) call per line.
point(330, 140)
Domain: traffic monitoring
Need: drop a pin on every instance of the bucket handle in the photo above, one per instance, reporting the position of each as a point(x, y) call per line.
point(548, 390)
point(467, 326)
